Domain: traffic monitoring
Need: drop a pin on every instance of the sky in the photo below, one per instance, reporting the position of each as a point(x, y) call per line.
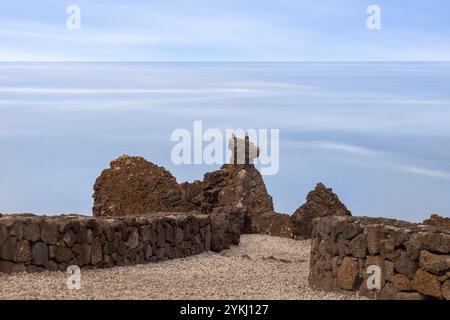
point(200, 30)
point(376, 132)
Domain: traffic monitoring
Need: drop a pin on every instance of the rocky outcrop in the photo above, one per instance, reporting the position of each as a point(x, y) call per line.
point(135, 186)
point(321, 202)
point(241, 187)
point(236, 186)
point(192, 194)
point(380, 258)
point(437, 220)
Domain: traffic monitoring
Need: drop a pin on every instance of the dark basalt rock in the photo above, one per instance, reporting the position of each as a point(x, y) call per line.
point(271, 223)
point(226, 226)
point(438, 221)
point(320, 202)
point(133, 185)
point(237, 186)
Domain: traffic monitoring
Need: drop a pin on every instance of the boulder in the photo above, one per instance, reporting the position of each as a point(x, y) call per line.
point(374, 237)
point(39, 252)
point(23, 252)
point(32, 231)
point(192, 194)
point(434, 263)
point(63, 254)
point(237, 186)
point(272, 223)
point(50, 233)
point(132, 186)
point(17, 230)
point(83, 253)
point(358, 246)
point(226, 224)
point(427, 284)
point(434, 242)
point(401, 282)
point(347, 274)
point(320, 202)
point(405, 265)
point(8, 250)
point(96, 251)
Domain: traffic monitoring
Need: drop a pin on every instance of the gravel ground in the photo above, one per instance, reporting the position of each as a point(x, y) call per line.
point(261, 267)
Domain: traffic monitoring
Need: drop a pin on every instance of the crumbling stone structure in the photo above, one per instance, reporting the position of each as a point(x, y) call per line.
point(413, 259)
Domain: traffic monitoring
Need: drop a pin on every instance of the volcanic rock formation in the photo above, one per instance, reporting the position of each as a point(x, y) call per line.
point(437, 220)
point(135, 186)
point(320, 202)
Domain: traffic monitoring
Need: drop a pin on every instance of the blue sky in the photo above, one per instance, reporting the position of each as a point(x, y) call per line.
point(200, 30)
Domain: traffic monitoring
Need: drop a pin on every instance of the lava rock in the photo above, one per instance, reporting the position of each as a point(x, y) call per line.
point(320, 202)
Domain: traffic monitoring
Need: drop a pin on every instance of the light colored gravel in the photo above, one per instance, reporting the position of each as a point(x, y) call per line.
point(261, 267)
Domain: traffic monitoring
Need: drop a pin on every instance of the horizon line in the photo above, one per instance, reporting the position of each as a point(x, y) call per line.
point(224, 61)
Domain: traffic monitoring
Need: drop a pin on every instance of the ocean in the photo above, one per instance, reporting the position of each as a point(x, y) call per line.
point(377, 133)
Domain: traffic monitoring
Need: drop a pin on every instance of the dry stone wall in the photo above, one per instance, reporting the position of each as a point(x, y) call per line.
point(36, 243)
point(413, 260)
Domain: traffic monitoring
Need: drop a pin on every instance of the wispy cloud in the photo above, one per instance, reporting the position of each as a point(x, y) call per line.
point(340, 147)
point(63, 91)
point(426, 172)
point(366, 157)
point(224, 31)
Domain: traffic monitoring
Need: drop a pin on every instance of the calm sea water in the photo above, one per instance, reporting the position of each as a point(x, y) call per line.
point(378, 133)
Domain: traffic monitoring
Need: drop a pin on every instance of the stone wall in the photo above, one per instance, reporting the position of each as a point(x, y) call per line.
point(414, 259)
point(36, 243)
